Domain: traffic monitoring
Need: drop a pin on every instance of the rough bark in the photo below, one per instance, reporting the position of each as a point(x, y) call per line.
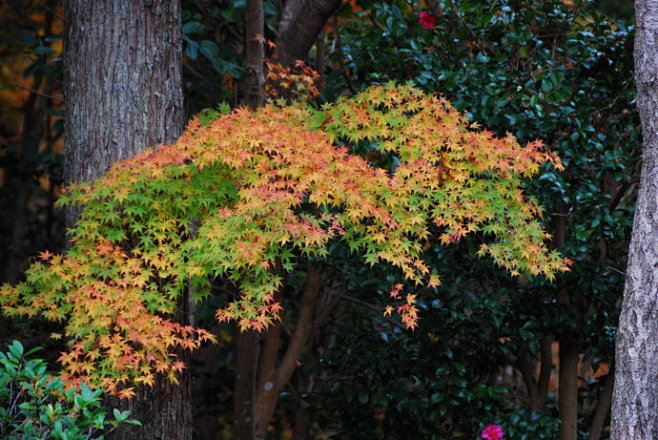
point(123, 91)
point(568, 387)
point(301, 23)
point(123, 81)
point(635, 398)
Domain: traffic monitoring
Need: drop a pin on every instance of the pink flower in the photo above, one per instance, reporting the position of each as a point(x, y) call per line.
point(427, 20)
point(492, 432)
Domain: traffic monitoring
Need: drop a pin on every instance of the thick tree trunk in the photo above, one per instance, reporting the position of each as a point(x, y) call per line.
point(123, 90)
point(123, 81)
point(301, 23)
point(635, 399)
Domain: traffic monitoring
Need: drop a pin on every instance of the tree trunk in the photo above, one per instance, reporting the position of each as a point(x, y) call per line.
point(300, 24)
point(247, 342)
point(246, 365)
point(123, 90)
point(568, 387)
point(635, 399)
point(123, 81)
point(255, 44)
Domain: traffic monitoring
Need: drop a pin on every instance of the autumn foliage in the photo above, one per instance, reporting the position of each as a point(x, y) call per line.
point(244, 195)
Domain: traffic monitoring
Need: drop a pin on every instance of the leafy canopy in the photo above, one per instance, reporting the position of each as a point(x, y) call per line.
point(244, 194)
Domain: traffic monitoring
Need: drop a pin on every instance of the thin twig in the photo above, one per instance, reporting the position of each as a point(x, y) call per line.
point(374, 309)
point(617, 270)
point(37, 92)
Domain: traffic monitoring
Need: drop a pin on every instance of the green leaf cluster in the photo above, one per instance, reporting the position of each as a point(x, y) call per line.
point(36, 405)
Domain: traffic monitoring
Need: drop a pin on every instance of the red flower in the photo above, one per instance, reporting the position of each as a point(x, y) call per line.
point(427, 20)
point(492, 432)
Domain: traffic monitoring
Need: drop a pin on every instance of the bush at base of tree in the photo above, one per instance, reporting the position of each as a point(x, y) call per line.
point(34, 403)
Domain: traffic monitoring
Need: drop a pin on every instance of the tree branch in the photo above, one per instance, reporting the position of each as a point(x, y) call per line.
point(545, 369)
point(302, 329)
point(602, 407)
point(298, 35)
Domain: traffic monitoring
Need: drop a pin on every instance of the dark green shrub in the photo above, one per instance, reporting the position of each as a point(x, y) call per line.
point(35, 403)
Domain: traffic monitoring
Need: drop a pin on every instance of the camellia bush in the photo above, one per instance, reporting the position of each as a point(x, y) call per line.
point(560, 71)
point(245, 195)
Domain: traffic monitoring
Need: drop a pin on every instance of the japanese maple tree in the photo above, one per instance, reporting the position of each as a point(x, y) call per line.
point(243, 195)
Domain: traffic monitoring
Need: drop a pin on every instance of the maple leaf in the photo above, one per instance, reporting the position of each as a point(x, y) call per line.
point(45, 255)
point(126, 393)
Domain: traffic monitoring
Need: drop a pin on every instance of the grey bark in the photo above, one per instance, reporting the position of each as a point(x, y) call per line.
point(123, 91)
point(635, 397)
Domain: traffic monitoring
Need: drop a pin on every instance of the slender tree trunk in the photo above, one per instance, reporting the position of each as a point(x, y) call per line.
point(300, 24)
point(568, 387)
point(123, 91)
point(255, 44)
point(247, 342)
point(569, 340)
point(635, 397)
point(246, 365)
point(300, 423)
